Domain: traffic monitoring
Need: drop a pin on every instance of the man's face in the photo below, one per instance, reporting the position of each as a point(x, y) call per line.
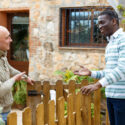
point(105, 25)
point(5, 40)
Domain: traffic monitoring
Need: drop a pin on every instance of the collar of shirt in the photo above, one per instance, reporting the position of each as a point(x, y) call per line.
point(115, 35)
point(3, 53)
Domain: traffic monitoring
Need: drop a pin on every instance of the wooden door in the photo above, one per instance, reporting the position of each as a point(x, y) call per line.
point(18, 55)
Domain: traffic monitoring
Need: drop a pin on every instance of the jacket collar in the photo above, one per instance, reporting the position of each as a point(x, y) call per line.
point(3, 53)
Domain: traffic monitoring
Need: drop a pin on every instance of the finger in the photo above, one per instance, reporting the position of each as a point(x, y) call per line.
point(31, 83)
point(89, 92)
point(81, 66)
point(76, 71)
point(22, 73)
point(83, 90)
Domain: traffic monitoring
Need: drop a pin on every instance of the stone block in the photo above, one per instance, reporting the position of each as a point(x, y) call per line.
point(48, 46)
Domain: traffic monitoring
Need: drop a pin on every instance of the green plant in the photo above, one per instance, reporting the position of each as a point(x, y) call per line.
point(69, 75)
point(19, 92)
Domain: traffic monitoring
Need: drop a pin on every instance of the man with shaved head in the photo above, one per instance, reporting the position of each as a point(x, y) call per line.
point(8, 75)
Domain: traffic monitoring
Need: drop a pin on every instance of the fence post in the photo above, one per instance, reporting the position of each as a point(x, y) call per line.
point(86, 106)
point(107, 118)
point(71, 120)
point(40, 114)
point(97, 97)
point(27, 119)
point(12, 118)
point(32, 101)
point(72, 89)
point(61, 119)
point(46, 91)
point(51, 111)
point(78, 109)
point(59, 93)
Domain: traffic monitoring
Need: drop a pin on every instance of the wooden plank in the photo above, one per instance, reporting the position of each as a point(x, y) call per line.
point(46, 91)
point(26, 115)
point(107, 118)
point(97, 97)
point(61, 119)
point(78, 109)
point(86, 107)
point(65, 86)
point(51, 118)
point(59, 89)
point(12, 118)
point(72, 86)
point(40, 114)
point(72, 90)
point(70, 109)
point(59, 93)
point(32, 101)
point(65, 94)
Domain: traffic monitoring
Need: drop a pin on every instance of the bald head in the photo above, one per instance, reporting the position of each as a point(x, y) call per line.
point(3, 30)
point(5, 39)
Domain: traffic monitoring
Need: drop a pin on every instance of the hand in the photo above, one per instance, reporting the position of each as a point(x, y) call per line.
point(29, 80)
point(19, 76)
point(90, 88)
point(83, 72)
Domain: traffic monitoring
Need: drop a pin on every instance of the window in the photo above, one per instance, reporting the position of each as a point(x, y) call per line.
point(78, 27)
point(19, 30)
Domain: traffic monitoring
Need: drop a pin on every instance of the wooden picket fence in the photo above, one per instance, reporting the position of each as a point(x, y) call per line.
point(49, 113)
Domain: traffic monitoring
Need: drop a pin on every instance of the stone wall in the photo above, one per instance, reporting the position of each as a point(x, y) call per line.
point(45, 54)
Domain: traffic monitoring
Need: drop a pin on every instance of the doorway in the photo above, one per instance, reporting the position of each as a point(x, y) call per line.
point(18, 55)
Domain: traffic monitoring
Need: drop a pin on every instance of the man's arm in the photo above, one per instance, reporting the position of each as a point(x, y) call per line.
point(7, 85)
point(98, 74)
point(13, 71)
point(86, 72)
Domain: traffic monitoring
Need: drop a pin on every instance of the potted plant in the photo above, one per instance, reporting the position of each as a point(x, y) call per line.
point(19, 91)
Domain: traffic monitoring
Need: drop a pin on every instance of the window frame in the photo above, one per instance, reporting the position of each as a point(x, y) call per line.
point(63, 37)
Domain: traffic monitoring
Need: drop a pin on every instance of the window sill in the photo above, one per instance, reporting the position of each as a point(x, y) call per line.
point(81, 48)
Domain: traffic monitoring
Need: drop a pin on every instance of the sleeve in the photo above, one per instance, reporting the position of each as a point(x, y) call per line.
point(6, 86)
point(117, 73)
point(98, 74)
point(13, 71)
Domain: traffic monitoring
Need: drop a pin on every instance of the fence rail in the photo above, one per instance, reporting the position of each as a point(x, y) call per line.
point(52, 113)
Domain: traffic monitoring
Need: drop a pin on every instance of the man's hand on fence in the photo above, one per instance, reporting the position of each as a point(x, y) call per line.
point(90, 88)
point(83, 71)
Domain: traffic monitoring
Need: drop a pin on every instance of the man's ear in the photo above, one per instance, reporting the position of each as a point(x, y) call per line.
point(114, 21)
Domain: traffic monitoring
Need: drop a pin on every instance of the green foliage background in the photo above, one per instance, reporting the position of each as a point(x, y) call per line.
point(122, 11)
